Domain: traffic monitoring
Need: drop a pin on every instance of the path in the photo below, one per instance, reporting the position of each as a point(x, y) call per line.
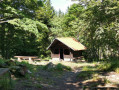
point(67, 81)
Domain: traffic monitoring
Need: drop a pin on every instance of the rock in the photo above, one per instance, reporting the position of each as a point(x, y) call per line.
point(23, 70)
point(49, 66)
point(20, 70)
point(29, 71)
point(3, 65)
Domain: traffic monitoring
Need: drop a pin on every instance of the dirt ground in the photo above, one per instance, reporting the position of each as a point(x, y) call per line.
point(68, 80)
point(54, 81)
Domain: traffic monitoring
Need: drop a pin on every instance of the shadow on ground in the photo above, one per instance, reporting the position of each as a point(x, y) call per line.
point(46, 79)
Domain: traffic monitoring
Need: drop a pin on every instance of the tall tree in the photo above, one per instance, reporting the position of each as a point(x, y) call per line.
point(95, 23)
point(20, 30)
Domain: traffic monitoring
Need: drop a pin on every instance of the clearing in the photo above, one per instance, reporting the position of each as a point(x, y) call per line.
point(51, 78)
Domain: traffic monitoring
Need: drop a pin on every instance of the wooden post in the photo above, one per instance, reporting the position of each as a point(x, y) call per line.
point(30, 60)
point(71, 57)
point(59, 55)
point(19, 59)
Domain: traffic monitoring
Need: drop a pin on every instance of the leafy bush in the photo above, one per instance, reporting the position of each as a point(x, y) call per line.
point(2, 63)
point(104, 67)
point(29, 66)
point(46, 58)
point(6, 83)
point(109, 66)
point(7, 63)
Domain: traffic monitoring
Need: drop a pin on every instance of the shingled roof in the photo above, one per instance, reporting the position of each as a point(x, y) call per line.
point(70, 42)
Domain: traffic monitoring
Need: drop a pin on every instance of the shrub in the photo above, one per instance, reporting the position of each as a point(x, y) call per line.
point(109, 66)
point(6, 83)
point(2, 63)
point(104, 67)
point(29, 66)
point(46, 58)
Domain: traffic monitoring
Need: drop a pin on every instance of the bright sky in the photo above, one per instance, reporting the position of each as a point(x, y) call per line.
point(62, 4)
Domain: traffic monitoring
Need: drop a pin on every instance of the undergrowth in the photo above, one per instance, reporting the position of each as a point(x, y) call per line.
point(111, 65)
point(6, 83)
point(57, 67)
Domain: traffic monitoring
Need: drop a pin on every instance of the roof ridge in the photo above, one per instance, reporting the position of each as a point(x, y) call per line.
point(71, 43)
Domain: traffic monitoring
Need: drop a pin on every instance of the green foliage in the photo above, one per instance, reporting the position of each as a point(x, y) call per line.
point(45, 13)
point(88, 68)
point(46, 58)
point(85, 74)
point(109, 66)
point(89, 72)
point(21, 31)
point(29, 66)
point(117, 70)
point(27, 27)
point(23, 69)
point(94, 25)
point(58, 67)
point(105, 66)
point(2, 61)
point(6, 83)
point(106, 81)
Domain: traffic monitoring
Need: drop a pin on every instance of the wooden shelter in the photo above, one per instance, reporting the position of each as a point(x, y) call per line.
point(66, 49)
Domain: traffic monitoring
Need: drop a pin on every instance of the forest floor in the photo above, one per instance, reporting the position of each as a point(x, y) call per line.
point(65, 80)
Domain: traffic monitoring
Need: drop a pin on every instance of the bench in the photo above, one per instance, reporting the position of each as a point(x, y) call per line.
point(30, 58)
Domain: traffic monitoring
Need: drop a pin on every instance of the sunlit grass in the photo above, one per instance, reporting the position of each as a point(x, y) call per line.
point(73, 65)
point(57, 67)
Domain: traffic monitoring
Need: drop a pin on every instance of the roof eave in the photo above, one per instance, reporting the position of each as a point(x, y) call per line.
point(50, 44)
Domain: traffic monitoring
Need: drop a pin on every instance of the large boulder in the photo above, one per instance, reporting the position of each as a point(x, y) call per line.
point(19, 70)
point(49, 66)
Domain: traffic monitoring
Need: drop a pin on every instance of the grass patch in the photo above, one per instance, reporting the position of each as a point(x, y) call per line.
point(88, 72)
point(28, 83)
point(57, 67)
point(60, 67)
point(41, 79)
point(85, 74)
point(111, 65)
point(38, 85)
point(89, 68)
point(117, 70)
point(6, 83)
